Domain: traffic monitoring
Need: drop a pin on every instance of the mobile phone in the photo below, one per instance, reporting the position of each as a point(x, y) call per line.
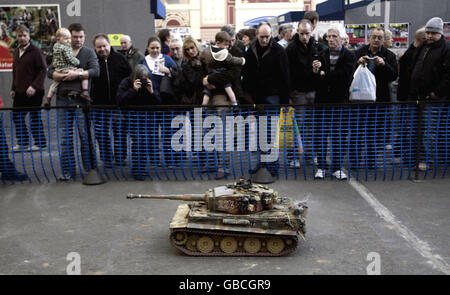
point(315, 57)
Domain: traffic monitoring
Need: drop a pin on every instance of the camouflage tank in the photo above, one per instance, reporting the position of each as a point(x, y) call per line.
point(239, 219)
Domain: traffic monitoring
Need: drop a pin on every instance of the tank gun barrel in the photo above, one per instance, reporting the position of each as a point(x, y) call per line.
point(186, 197)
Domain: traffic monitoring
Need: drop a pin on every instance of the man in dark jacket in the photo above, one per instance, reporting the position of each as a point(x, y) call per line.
point(27, 90)
point(406, 64)
point(132, 54)
point(137, 90)
point(301, 54)
point(232, 74)
point(431, 72)
point(266, 79)
point(376, 118)
point(113, 69)
point(430, 80)
point(381, 62)
point(335, 76)
point(406, 132)
point(266, 71)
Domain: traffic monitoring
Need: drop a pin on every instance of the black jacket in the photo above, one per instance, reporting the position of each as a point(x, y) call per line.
point(333, 87)
point(231, 75)
point(128, 96)
point(300, 64)
point(383, 74)
point(266, 76)
point(193, 73)
point(406, 65)
point(431, 71)
point(112, 71)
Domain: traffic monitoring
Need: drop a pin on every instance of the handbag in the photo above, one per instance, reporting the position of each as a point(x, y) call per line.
point(166, 91)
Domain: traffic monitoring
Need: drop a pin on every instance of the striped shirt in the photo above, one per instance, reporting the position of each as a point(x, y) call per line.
point(334, 56)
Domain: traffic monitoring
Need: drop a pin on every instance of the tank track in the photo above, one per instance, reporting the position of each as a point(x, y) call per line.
point(196, 242)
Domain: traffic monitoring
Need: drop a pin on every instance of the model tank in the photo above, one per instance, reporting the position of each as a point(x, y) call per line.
point(239, 219)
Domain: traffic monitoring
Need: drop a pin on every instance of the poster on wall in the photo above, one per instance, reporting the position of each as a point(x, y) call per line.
point(447, 30)
point(356, 35)
point(400, 34)
point(42, 20)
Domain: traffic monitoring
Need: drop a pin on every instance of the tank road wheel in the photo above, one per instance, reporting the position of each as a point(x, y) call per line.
point(228, 245)
point(179, 238)
point(191, 243)
point(205, 244)
point(252, 245)
point(275, 245)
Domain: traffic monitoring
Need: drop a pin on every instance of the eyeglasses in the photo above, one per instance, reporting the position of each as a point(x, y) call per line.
point(377, 37)
point(175, 48)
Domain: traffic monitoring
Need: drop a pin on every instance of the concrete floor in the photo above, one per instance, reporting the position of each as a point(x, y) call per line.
point(407, 225)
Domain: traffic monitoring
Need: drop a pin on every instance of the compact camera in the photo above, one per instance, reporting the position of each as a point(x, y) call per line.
point(144, 83)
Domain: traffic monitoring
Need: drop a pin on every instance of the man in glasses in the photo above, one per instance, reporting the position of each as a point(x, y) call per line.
point(381, 62)
point(177, 52)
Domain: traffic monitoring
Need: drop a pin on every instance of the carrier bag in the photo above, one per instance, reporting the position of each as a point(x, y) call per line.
point(364, 85)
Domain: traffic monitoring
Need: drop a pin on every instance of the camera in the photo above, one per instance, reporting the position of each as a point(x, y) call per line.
point(144, 82)
point(315, 57)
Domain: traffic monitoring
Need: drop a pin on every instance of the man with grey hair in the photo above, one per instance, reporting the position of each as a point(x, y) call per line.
point(381, 62)
point(177, 52)
point(334, 77)
point(234, 43)
point(132, 54)
point(286, 35)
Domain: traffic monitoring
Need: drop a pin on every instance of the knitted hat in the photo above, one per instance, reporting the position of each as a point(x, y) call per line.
point(435, 25)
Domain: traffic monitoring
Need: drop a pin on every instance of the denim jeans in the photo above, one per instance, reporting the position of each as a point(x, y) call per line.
point(67, 120)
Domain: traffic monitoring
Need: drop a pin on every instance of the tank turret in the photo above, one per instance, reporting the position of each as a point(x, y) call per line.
point(242, 197)
point(237, 219)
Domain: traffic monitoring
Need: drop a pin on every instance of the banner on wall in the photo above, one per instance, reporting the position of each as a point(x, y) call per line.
point(447, 30)
point(42, 20)
point(356, 35)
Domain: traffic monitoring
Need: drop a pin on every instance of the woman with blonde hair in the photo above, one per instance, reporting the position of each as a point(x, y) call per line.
point(193, 71)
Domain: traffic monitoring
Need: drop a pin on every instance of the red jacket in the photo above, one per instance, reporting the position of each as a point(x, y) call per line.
point(30, 69)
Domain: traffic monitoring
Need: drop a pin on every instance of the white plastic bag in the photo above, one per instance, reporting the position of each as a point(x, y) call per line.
point(364, 85)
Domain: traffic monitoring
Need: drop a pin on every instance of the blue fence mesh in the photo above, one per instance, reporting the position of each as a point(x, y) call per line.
point(366, 141)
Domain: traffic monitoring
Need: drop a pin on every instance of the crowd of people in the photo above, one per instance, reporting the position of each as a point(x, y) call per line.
point(248, 67)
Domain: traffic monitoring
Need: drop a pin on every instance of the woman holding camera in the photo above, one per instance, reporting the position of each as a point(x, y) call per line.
point(158, 64)
point(137, 90)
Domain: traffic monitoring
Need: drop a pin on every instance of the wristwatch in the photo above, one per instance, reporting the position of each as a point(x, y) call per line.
point(80, 76)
